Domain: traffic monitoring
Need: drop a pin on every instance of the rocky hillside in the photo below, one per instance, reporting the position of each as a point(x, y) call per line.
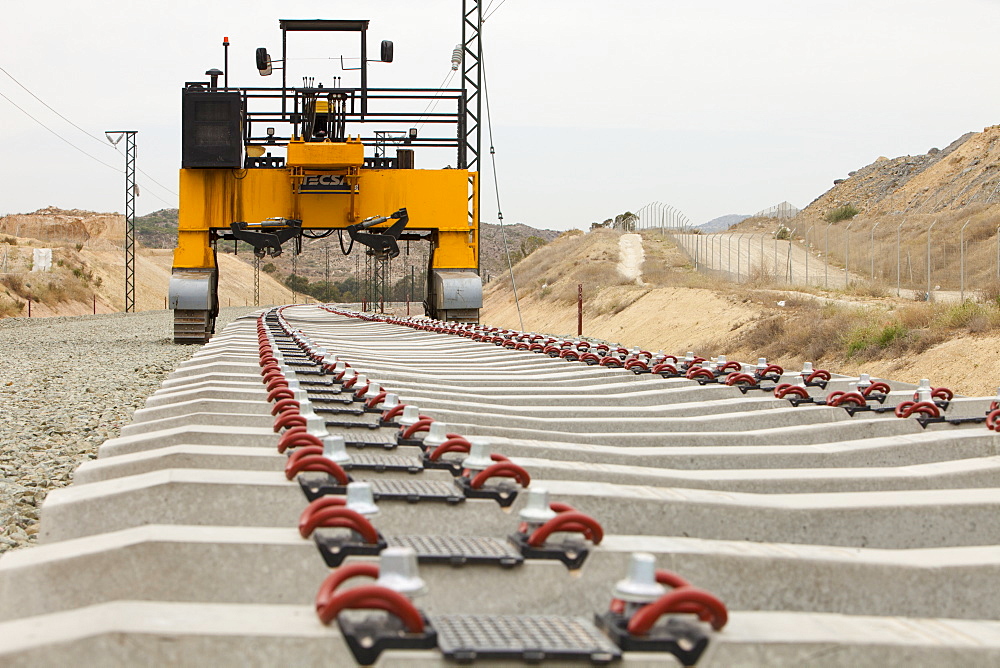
point(64, 225)
point(964, 173)
point(157, 229)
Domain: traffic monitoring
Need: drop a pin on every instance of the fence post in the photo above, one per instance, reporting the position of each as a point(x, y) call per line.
point(961, 241)
point(929, 258)
point(762, 253)
point(29, 307)
point(898, 256)
point(847, 254)
point(729, 253)
point(579, 309)
point(775, 251)
point(826, 264)
point(739, 250)
point(808, 230)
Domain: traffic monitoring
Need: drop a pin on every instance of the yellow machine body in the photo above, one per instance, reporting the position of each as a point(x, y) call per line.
point(436, 199)
point(264, 165)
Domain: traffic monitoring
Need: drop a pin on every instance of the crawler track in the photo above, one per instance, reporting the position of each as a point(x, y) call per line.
point(834, 534)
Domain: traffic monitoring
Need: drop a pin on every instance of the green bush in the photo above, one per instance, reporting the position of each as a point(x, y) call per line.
point(871, 338)
point(845, 212)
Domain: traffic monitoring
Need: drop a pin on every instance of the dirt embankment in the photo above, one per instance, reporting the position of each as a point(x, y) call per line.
point(55, 225)
point(86, 274)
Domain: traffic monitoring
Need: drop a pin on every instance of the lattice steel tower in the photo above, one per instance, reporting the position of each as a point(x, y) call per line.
point(115, 136)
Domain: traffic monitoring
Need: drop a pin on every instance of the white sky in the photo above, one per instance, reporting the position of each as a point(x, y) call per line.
point(714, 107)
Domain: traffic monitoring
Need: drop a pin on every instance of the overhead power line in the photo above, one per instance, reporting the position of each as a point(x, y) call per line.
point(25, 112)
point(494, 11)
point(89, 134)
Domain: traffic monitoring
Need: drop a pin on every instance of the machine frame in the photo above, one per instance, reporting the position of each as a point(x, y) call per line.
point(232, 187)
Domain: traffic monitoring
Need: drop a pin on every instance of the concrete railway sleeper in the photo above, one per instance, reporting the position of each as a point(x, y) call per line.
point(601, 503)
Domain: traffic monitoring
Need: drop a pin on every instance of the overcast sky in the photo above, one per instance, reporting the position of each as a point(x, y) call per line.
point(714, 107)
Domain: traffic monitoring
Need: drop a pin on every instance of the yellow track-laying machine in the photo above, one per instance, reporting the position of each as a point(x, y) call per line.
point(269, 166)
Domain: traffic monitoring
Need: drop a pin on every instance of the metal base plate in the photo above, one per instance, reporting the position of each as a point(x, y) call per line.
point(380, 461)
point(413, 491)
point(370, 439)
point(335, 545)
point(315, 485)
point(362, 421)
point(369, 637)
point(530, 638)
point(685, 640)
point(460, 550)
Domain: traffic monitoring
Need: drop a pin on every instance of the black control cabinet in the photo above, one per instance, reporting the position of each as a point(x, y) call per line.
point(211, 129)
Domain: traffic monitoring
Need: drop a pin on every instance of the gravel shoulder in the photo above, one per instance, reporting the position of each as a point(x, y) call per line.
point(67, 385)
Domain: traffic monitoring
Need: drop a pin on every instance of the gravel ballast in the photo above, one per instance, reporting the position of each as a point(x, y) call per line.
point(68, 384)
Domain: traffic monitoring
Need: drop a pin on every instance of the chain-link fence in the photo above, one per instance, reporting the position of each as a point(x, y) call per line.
point(921, 258)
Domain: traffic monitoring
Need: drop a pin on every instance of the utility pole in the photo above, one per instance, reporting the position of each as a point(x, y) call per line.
point(115, 136)
point(326, 277)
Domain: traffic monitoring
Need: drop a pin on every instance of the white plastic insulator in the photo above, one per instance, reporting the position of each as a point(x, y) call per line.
point(306, 407)
point(373, 390)
point(360, 498)
point(335, 449)
point(689, 356)
point(329, 359)
point(397, 570)
point(761, 362)
point(348, 374)
point(316, 426)
point(479, 455)
point(807, 368)
point(293, 384)
point(864, 380)
point(721, 360)
point(640, 585)
point(924, 390)
point(536, 510)
point(410, 416)
point(341, 366)
point(456, 57)
point(391, 401)
point(436, 435)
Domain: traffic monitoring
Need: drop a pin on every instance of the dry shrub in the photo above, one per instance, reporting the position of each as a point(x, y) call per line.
point(659, 274)
point(764, 333)
point(597, 274)
point(760, 275)
point(14, 284)
point(872, 289)
point(990, 293)
point(969, 316)
point(10, 308)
